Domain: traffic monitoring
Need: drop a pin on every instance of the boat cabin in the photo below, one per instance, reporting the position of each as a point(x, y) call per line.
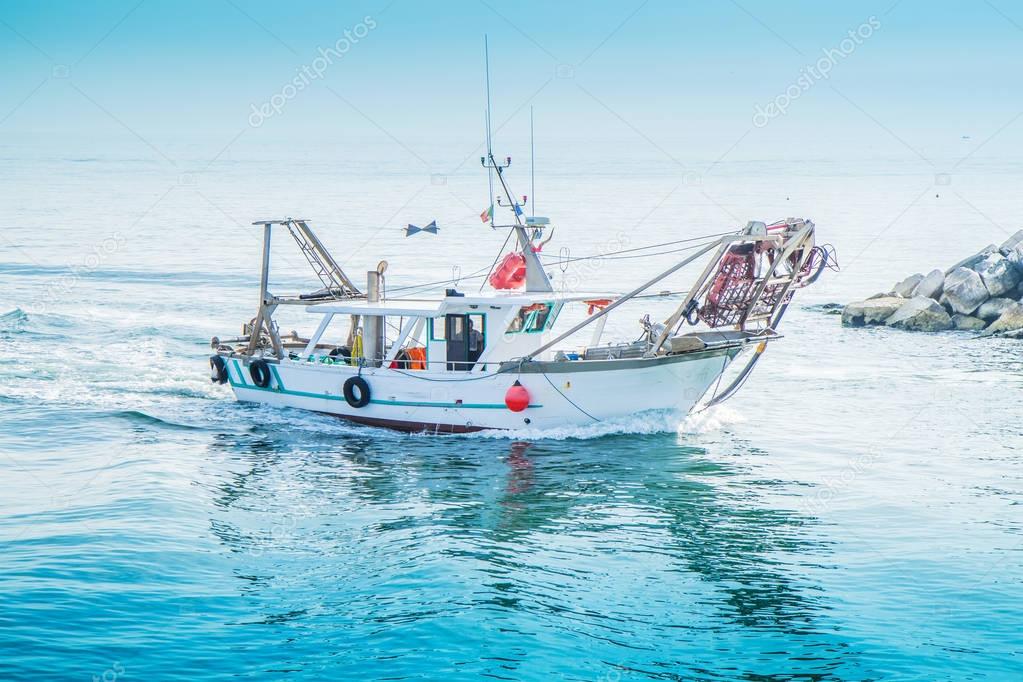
point(454, 334)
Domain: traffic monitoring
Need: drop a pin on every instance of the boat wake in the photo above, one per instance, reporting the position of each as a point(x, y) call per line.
point(710, 420)
point(145, 419)
point(13, 320)
point(643, 423)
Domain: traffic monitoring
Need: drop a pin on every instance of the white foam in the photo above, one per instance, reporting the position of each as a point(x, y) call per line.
point(710, 419)
point(651, 421)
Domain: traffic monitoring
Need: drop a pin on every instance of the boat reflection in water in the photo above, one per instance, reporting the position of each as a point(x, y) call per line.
point(485, 556)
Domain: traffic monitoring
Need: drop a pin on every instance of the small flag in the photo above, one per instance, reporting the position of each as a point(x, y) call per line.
point(412, 229)
point(487, 214)
point(518, 210)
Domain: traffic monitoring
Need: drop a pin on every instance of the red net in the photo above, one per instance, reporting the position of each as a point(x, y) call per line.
point(731, 292)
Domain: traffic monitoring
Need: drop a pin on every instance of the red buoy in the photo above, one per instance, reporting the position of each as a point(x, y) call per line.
point(517, 397)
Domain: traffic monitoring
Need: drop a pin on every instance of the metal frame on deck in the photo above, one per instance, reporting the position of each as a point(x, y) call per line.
point(787, 246)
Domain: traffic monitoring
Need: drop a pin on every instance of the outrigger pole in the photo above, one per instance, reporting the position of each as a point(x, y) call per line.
point(632, 294)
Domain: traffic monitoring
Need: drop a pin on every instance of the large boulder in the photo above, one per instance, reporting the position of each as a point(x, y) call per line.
point(1012, 242)
point(905, 287)
point(998, 274)
point(872, 311)
point(1010, 320)
point(965, 290)
point(993, 308)
point(974, 259)
point(967, 323)
point(931, 286)
point(920, 314)
point(1015, 258)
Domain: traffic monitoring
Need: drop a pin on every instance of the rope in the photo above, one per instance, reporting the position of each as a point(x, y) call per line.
point(713, 396)
point(496, 258)
point(614, 254)
point(449, 381)
point(567, 398)
point(474, 275)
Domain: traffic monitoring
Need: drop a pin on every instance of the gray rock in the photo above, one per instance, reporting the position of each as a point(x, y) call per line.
point(905, 287)
point(884, 294)
point(998, 274)
point(931, 286)
point(1012, 242)
point(872, 311)
point(974, 259)
point(967, 323)
point(993, 308)
point(920, 314)
point(1015, 258)
point(828, 308)
point(965, 291)
point(1010, 320)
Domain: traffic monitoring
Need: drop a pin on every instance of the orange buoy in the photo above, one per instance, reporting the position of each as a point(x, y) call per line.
point(517, 397)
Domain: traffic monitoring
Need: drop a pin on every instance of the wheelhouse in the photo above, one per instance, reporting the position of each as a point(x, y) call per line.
point(454, 334)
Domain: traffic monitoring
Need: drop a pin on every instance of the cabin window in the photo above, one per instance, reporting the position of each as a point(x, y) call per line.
point(533, 318)
point(437, 329)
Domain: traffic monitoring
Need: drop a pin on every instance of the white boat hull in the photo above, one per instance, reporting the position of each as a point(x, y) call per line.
point(561, 394)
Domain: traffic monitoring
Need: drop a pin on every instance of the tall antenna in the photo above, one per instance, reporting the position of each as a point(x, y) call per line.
point(532, 166)
point(490, 149)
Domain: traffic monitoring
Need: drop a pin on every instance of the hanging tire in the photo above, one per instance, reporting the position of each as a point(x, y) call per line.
point(259, 370)
point(356, 392)
point(218, 369)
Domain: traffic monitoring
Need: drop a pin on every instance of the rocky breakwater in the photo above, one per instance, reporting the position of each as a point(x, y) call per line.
point(982, 293)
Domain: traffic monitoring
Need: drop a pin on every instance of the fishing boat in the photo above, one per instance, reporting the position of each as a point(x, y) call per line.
point(497, 358)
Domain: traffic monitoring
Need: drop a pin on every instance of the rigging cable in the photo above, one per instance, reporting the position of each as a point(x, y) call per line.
point(567, 398)
point(613, 255)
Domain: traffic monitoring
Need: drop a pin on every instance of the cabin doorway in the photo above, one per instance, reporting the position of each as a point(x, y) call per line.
point(465, 337)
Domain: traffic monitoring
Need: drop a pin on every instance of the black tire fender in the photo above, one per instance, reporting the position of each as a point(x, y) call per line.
point(218, 369)
point(259, 370)
point(353, 384)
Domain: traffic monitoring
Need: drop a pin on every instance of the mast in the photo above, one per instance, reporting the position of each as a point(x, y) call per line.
point(536, 278)
point(490, 149)
point(532, 166)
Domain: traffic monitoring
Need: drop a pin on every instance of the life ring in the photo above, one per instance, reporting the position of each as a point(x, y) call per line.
point(218, 370)
point(353, 384)
point(259, 370)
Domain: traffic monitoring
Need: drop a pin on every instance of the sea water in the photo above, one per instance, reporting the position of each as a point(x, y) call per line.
point(853, 513)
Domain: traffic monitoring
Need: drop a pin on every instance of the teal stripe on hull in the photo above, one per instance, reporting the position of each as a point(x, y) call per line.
point(321, 396)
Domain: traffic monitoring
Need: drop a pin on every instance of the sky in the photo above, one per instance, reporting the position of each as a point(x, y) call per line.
point(927, 79)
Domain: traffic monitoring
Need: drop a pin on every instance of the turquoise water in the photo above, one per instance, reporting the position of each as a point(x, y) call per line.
point(854, 514)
